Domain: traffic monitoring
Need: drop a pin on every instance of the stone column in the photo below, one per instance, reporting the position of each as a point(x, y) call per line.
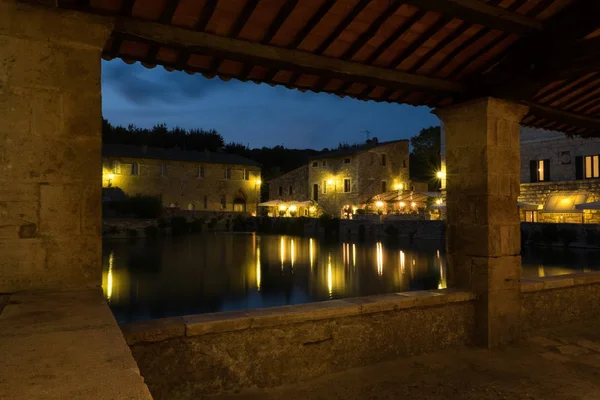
point(50, 148)
point(483, 236)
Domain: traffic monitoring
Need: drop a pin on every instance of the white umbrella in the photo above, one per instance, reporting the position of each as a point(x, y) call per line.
point(271, 203)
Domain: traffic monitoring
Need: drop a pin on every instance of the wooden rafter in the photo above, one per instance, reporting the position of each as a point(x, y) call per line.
point(478, 12)
point(278, 58)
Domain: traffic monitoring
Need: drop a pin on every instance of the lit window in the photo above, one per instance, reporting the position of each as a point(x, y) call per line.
point(163, 170)
point(227, 173)
point(541, 171)
point(201, 172)
point(592, 167)
point(135, 168)
point(347, 187)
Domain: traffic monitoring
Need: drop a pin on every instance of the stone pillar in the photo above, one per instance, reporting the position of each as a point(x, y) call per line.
point(50, 148)
point(483, 236)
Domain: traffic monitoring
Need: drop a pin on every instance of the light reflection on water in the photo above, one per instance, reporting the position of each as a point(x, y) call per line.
point(224, 272)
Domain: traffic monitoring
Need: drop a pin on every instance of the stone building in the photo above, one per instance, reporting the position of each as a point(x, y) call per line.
point(348, 178)
point(292, 186)
point(191, 180)
point(558, 172)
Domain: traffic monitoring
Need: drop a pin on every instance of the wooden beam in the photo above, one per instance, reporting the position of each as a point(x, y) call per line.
point(441, 44)
point(280, 59)
point(205, 15)
point(560, 116)
point(315, 19)
point(167, 15)
point(478, 12)
point(545, 57)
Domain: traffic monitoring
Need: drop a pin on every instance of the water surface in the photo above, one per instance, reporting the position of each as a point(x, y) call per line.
point(146, 279)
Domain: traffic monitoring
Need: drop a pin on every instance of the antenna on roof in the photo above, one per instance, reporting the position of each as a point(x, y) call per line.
point(367, 133)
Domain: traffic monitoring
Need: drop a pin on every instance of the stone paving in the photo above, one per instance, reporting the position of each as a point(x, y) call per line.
point(65, 346)
point(556, 364)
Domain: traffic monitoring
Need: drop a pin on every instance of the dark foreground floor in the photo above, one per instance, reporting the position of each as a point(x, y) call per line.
point(561, 364)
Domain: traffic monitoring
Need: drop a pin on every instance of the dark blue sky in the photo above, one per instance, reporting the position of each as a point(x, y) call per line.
point(258, 115)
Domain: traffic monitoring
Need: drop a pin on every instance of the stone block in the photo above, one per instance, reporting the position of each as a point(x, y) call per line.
point(91, 210)
point(560, 281)
point(153, 331)
point(493, 274)
point(82, 113)
point(498, 317)
point(60, 210)
point(305, 312)
point(216, 323)
point(531, 285)
point(15, 112)
point(75, 261)
point(22, 265)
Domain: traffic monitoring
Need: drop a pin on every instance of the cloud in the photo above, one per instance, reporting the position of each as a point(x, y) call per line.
point(142, 86)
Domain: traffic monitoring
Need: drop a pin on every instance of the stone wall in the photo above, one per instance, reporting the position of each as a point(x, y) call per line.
point(50, 148)
point(296, 179)
point(193, 356)
point(182, 187)
point(558, 300)
point(537, 193)
point(557, 147)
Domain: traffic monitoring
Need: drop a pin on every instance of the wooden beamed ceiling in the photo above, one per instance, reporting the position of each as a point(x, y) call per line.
point(421, 52)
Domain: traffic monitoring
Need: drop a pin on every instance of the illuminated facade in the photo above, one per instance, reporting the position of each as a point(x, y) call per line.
point(558, 173)
point(190, 180)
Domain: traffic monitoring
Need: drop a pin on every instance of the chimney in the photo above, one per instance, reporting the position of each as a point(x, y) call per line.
point(375, 140)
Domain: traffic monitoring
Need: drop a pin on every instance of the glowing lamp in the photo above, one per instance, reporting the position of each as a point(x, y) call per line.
point(413, 204)
point(402, 204)
point(293, 208)
point(438, 202)
point(439, 174)
point(330, 181)
point(379, 204)
point(282, 208)
point(111, 176)
point(258, 182)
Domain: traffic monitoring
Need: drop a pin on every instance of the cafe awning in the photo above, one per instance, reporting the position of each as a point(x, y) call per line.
point(564, 202)
point(529, 206)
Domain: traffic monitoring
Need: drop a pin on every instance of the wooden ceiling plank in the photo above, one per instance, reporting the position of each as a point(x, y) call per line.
point(314, 20)
point(167, 15)
point(278, 58)
point(356, 10)
point(206, 14)
point(567, 87)
point(459, 49)
point(438, 47)
point(478, 12)
point(371, 31)
point(418, 42)
point(561, 116)
point(235, 30)
point(402, 29)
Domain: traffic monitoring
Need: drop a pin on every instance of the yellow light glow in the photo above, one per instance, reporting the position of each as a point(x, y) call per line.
point(329, 276)
point(109, 279)
point(330, 181)
point(402, 204)
point(379, 259)
point(379, 204)
point(438, 202)
point(282, 251)
point(111, 176)
point(293, 208)
point(292, 253)
point(258, 182)
point(311, 209)
point(282, 208)
point(258, 277)
point(399, 186)
point(402, 263)
point(440, 174)
point(413, 204)
point(353, 255)
point(311, 252)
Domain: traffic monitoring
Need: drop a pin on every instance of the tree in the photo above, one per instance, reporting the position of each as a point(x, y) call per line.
point(425, 158)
